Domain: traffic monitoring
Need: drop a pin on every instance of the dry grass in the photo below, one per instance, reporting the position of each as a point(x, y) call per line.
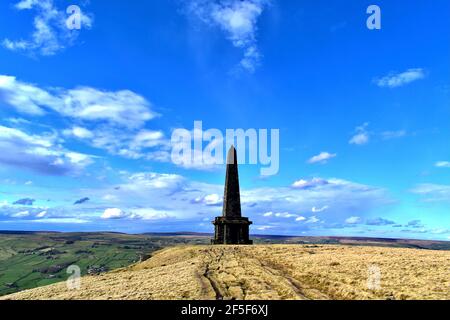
point(268, 272)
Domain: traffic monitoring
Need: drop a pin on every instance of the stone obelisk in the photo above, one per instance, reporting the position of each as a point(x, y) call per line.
point(231, 227)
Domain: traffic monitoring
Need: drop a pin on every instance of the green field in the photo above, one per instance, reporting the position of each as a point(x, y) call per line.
point(29, 260)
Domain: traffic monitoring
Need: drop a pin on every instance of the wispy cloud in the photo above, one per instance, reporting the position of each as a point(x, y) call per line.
point(124, 142)
point(237, 19)
point(415, 224)
point(361, 136)
point(50, 34)
point(433, 192)
point(322, 158)
point(318, 210)
point(442, 164)
point(389, 135)
point(123, 107)
point(379, 222)
point(210, 200)
point(39, 153)
point(394, 80)
point(353, 220)
point(313, 219)
point(309, 184)
point(60, 221)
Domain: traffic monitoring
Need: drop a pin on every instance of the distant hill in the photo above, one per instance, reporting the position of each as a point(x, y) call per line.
point(283, 239)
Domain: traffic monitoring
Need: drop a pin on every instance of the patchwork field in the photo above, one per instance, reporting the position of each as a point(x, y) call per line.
point(29, 259)
point(269, 272)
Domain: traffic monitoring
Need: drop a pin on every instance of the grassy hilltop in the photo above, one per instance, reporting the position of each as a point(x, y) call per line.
point(268, 272)
point(34, 259)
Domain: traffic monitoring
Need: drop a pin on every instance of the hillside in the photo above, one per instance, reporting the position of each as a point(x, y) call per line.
point(33, 259)
point(268, 272)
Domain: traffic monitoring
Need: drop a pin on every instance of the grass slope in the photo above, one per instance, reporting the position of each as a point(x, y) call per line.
point(34, 259)
point(29, 260)
point(268, 272)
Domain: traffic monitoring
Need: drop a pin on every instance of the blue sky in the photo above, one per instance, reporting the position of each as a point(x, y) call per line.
point(86, 115)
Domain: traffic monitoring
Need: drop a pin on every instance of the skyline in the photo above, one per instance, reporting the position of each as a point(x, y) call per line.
point(87, 116)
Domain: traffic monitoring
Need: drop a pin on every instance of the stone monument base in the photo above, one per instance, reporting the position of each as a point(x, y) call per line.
point(229, 230)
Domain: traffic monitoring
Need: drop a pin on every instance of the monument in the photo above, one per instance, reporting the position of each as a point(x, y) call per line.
point(231, 227)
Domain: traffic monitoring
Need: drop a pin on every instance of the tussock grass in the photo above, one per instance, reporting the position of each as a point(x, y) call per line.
point(268, 272)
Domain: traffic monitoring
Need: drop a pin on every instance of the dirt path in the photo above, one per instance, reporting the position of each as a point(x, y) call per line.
point(234, 273)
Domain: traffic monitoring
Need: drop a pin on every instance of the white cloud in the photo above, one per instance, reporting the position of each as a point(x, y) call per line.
point(131, 144)
point(154, 181)
point(238, 19)
point(313, 219)
point(39, 153)
point(309, 184)
point(300, 218)
point(78, 132)
point(111, 121)
point(21, 214)
point(318, 210)
point(394, 80)
point(124, 108)
point(286, 215)
point(120, 107)
point(283, 215)
point(443, 164)
point(353, 220)
point(150, 214)
point(433, 192)
point(323, 158)
point(360, 139)
point(264, 228)
point(343, 197)
point(50, 33)
point(210, 200)
point(58, 221)
point(147, 139)
point(440, 231)
point(137, 213)
point(41, 214)
point(361, 136)
point(388, 135)
point(113, 213)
